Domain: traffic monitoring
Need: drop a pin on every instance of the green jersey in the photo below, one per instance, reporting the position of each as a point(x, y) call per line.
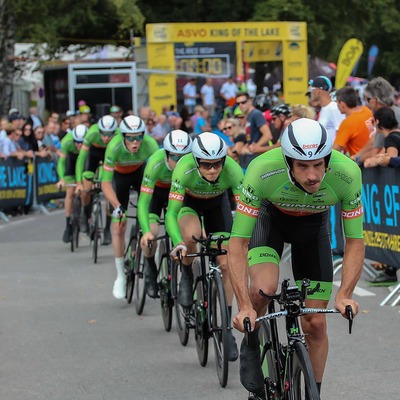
point(186, 179)
point(92, 138)
point(118, 158)
point(155, 174)
point(267, 178)
point(67, 146)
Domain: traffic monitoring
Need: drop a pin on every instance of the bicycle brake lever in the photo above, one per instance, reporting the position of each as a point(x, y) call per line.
point(350, 317)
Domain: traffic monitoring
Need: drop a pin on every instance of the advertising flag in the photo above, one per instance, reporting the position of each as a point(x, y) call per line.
point(348, 57)
point(372, 55)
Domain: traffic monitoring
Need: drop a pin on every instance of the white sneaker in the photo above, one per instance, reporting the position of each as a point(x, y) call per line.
point(119, 289)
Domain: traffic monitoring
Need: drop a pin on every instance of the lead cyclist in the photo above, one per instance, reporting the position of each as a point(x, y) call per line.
point(286, 195)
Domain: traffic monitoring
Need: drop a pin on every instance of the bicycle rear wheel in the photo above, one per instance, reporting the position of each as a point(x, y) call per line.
point(165, 287)
point(200, 312)
point(302, 380)
point(182, 314)
point(129, 261)
point(219, 327)
point(140, 290)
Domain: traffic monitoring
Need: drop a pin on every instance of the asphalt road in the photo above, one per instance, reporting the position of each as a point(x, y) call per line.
point(64, 337)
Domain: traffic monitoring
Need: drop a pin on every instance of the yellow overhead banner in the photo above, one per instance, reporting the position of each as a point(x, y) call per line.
point(262, 51)
point(225, 31)
point(348, 57)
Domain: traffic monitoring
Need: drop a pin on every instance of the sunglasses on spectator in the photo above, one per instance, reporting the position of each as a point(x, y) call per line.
point(138, 138)
point(240, 116)
point(208, 166)
point(227, 127)
point(242, 102)
point(175, 157)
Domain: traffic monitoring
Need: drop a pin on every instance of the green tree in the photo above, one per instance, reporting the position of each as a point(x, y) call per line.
point(59, 24)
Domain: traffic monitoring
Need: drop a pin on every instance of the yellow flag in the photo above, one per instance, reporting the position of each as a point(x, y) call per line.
point(348, 57)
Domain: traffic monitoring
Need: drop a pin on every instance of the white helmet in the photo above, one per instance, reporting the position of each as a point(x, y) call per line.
point(107, 124)
point(305, 139)
point(177, 142)
point(208, 146)
point(132, 124)
point(79, 132)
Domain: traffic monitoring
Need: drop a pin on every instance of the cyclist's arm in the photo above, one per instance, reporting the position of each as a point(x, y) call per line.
point(80, 162)
point(61, 165)
point(146, 194)
point(353, 259)
point(107, 177)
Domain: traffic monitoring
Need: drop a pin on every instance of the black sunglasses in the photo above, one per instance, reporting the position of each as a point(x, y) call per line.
point(242, 102)
point(215, 165)
point(227, 127)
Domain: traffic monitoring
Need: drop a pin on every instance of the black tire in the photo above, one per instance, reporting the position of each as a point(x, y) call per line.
point(302, 380)
point(182, 314)
point(76, 214)
point(97, 215)
point(269, 362)
point(129, 262)
point(201, 319)
point(140, 290)
point(166, 299)
point(219, 327)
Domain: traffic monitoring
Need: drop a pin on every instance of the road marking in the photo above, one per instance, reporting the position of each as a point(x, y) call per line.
point(358, 291)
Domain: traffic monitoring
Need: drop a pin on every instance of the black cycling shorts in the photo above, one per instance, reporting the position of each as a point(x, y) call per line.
point(159, 201)
point(309, 237)
point(96, 154)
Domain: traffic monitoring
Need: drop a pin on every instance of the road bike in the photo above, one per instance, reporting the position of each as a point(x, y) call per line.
point(208, 316)
point(287, 370)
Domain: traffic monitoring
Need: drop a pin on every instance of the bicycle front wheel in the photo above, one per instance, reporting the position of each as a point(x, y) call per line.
point(165, 287)
point(140, 289)
point(129, 262)
point(219, 327)
point(302, 380)
point(200, 312)
point(96, 229)
point(182, 314)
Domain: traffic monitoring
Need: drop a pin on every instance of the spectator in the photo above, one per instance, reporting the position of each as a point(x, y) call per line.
point(39, 147)
point(196, 115)
point(202, 124)
point(302, 111)
point(186, 122)
point(117, 113)
point(27, 140)
point(238, 114)
point(16, 121)
point(150, 126)
point(208, 98)
point(190, 95)
point(378, 93)
point(161, 129)
point(229, 91)
point(65, 127)
point(33, 118)
point(221, 131)
point(329, 116)
point(385, 120)
point(237, 138)
point(11, 147)
point(353, 133)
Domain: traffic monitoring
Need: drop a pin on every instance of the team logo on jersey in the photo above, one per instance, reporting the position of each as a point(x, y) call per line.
point(247, 210)
point(272, 173)
point(358, 212)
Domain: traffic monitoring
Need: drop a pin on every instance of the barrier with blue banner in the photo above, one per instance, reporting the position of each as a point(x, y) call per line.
point(381, 201)
point(24, 182)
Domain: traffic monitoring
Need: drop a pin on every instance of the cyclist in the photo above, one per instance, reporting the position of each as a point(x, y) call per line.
point(286, 195)
point(123, 167)
point(70, 146)
point(154, 197)
point(90, 155)
point(199, 187)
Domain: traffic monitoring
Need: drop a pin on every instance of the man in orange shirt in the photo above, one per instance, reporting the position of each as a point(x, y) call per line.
point(353, 133)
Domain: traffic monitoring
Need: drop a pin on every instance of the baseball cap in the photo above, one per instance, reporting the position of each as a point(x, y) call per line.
point(115, 109)
point(70, 113)
point(14, 117)
point(84, 109)
point(13, 111)
point(320, 82)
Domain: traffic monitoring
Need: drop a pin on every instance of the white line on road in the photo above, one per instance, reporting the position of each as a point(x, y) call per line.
point(358, 291)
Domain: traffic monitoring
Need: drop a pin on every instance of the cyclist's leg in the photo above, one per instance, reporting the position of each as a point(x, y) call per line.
point(265, 249)
point(189, 225)
point(121, 186)
point(312, 259)
point(69, 197)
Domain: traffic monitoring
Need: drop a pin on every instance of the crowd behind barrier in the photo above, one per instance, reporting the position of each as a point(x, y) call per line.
point(33, 181)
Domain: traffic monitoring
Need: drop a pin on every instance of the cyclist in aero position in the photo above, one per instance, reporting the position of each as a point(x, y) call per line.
point(199, 187)
point(70, 146)
point(90, 155)
point(123, 167)
point(153, 197)
point(285, 198)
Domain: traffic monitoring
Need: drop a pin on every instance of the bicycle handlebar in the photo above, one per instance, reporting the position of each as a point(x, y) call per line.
point(206, 245)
